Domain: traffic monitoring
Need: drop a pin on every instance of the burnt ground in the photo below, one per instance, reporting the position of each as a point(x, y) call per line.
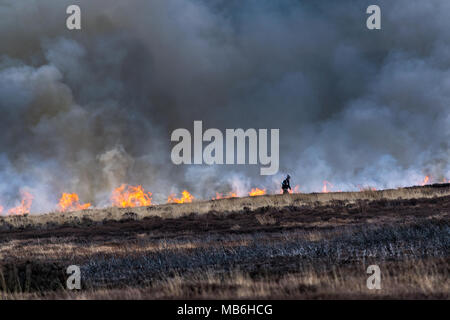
point(319, 251)
point(289, 218)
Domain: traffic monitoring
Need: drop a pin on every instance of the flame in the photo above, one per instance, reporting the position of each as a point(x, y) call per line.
point(186, 197)
point(257, 192)
point(325, 186)
point(134, 196)
point(361, 188)
point(426, 180)
point(127, 196)
point(229, 195)
point(71, 202)
point(25, 205)
point(295, 190)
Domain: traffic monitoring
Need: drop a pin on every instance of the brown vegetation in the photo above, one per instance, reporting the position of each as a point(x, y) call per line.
point(284, 246)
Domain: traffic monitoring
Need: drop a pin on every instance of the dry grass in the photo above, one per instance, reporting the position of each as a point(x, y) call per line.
point(54, 219)
point(414, 279)
point(288, 250)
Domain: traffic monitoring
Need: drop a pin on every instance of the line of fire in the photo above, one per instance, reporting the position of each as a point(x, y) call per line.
point(128, 196)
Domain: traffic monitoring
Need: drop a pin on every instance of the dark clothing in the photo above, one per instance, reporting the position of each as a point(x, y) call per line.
point(285, 186)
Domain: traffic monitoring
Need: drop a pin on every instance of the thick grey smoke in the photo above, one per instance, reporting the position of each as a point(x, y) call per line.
point(84, 111)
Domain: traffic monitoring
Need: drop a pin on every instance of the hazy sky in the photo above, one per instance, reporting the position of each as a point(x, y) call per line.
point(84, 111)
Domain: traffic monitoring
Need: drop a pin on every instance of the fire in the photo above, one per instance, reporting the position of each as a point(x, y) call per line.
point(186, 197)
point(71, 202)
point(229, 195)
point(326, 184)
point(127, 196)
point(135, 196)
point(257, 192)
point(426, 180)
point(25, 205)
point(362, 188)
point(296, 189)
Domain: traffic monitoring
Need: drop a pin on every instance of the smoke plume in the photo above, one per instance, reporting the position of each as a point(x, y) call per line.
point(85, 111)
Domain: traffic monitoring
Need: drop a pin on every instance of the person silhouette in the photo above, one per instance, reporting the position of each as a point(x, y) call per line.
point(286, 185)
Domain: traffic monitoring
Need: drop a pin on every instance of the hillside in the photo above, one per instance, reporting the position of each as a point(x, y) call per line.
point(291, 246)
point(54, 219)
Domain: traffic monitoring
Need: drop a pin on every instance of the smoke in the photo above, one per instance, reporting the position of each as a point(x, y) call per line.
point(84, 111)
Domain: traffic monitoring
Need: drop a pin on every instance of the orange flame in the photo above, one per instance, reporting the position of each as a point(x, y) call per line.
point(325, 186)
point(25, 205)
point(257, 192)
point(71, 202)
point(426, 180)
point(295, 190)
point(127, 196)
point(229, 195)
point(1, 209)
point(187, 197)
